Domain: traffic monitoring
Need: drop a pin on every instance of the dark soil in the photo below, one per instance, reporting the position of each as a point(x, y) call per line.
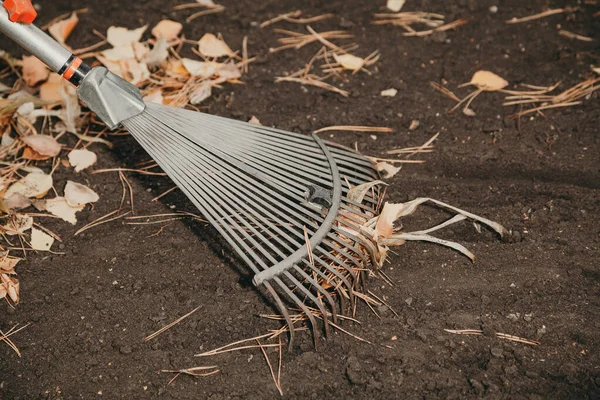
point(90, 308)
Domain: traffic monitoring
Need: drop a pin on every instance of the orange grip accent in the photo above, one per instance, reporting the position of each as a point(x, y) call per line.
point(72, 68)
point(20, 11)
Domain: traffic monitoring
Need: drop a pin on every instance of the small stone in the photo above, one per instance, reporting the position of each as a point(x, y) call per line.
point(477, 386)
point(126, 349)
point(511, 370)
point(528, 317)
point(409, 301)
point(513, 317)
point(493, 9)
point(485, 299)
point(497, 352)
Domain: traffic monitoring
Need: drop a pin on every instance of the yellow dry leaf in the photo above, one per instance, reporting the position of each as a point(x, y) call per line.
point(81, 159)
point(7, 264)
point(16, 201)
point(167, 29)
point(59, 207)
point(43, 144)
point(9, 286)
point(18, 224)
point(202, 93)
point(78, 195)
point(488, 81)
point(35, 184)
point(34, 71)
point(40, 240)
point(349, 61)
point(395, 5)
point(154, 97)
point(50, 90)
point(387, 169)
point(211, 46)
point(200, 69)
point(119, 36)
point(176, 68)
point(62, 29)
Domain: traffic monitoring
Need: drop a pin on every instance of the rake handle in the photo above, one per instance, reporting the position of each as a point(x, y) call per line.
point(44, 47)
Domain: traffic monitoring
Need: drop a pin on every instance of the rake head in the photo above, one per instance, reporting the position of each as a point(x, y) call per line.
point(280, 199)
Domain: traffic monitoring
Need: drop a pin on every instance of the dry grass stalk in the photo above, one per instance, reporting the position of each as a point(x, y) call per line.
point(544, 14)
point(194, 371)
point(406, 19)
point(293, 17)
point(575, 36)
point(477, 332)
point(203, 13)
point(351, 128)
point(169, 326)
point(296, 40)
point(4, 337)
point(542, 100)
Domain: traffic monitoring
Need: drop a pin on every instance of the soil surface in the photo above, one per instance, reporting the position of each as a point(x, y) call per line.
point(91, 307)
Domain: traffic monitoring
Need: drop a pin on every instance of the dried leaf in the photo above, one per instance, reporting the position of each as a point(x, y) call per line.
point(469, 112)
point(154, 97)
point(9, 286)
point(50, 90)
point(7, 140)
point(358, 193)
point(58, 206)
point(159, 53)
point(34, 71)
point(18, 224)
point(40, 240)
point(7, 264)
point(254, 121)
point(202, 93)
point(387, 169)
point(167, 29)
point(488, 81)
point(201, 69)
point(43, 144)
point(389, 92)
point(16, 201)
point(78, 195)
point(119, 36)
point(349, 61)
point(81, 159)
point(207, 3)
point(228, 72)
point(395, 5)
point(211, 46)
point(30, 154)
point(62, 29)
point(33, 185)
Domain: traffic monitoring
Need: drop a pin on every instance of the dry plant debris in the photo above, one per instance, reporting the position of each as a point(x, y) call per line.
point(547, 13)
point(334, 60)
point(537, 96)
point(406, 20)
point(294, 17)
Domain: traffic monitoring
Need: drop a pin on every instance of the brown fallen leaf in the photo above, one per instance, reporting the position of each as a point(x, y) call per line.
point(167, 29)
point(43, 144)
point(50, 90)
point(78, 195)
point(211, 46)
point(488, 81)
point(61, 30)
point(35, 184)
point(34, 71)
point(30, 154)
point(58, 206)
point(40, 240)
point(81, 159)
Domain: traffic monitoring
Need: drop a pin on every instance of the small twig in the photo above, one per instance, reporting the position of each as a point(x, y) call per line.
point(195, 371)
point(270, 366)
point(354, 129)
point(477, 332)
point(547, 13)
point(572, 35)
point(172, 324)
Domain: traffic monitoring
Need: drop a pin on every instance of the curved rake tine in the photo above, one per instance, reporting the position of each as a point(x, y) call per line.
point(285, 313)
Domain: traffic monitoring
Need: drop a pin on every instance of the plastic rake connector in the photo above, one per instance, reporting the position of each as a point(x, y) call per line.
point(265, 191)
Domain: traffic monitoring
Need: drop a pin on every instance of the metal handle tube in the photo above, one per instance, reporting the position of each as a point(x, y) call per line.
point(35, 41)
